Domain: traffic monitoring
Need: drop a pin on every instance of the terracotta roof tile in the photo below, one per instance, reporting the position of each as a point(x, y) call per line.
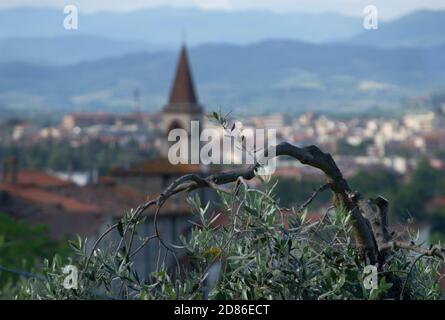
point(40, 179)
point(44, 197)
point(159, 166)
point(436, 203)
point(116, 200)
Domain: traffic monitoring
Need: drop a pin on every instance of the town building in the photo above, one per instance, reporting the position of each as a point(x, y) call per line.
point(151, 177)
point(37, 197)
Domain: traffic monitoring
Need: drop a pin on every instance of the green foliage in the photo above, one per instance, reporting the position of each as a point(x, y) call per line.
point(408, 198)
point(261, 252)
point(22, 247)
point(62, 156)
point(370, 184)
point(292, 192)
point(344, 148)
point(424, 184)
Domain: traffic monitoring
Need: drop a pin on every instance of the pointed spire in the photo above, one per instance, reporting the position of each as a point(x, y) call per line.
point(183, 90)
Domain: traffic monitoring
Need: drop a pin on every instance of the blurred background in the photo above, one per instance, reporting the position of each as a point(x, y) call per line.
point(84, 110)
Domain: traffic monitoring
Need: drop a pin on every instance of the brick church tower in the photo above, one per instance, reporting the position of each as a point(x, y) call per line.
point(152, 176)
point(183, 106)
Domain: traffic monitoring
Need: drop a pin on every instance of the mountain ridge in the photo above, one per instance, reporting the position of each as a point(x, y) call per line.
point(423, 28)
point(268, 74)
point(162, 25)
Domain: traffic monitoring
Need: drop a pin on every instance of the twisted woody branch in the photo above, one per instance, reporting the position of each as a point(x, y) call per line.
point(312, 156)
point(373, 240)
point(369, 217)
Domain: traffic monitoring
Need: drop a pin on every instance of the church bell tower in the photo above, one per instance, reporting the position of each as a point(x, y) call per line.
point(183, 106)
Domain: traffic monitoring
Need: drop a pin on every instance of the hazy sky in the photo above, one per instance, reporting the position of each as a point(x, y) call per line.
point(387, 8)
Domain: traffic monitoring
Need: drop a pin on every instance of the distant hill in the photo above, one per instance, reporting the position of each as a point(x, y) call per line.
point(66, 49)
point(419, 29)
point(270, 75)
point(36, 35)
point(166, 25)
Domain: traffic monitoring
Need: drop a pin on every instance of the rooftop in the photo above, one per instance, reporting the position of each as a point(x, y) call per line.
point(40, 179)
point(183, 90)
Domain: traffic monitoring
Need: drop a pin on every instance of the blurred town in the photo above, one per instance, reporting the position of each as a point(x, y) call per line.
point(87, 170)
point(396, 144)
